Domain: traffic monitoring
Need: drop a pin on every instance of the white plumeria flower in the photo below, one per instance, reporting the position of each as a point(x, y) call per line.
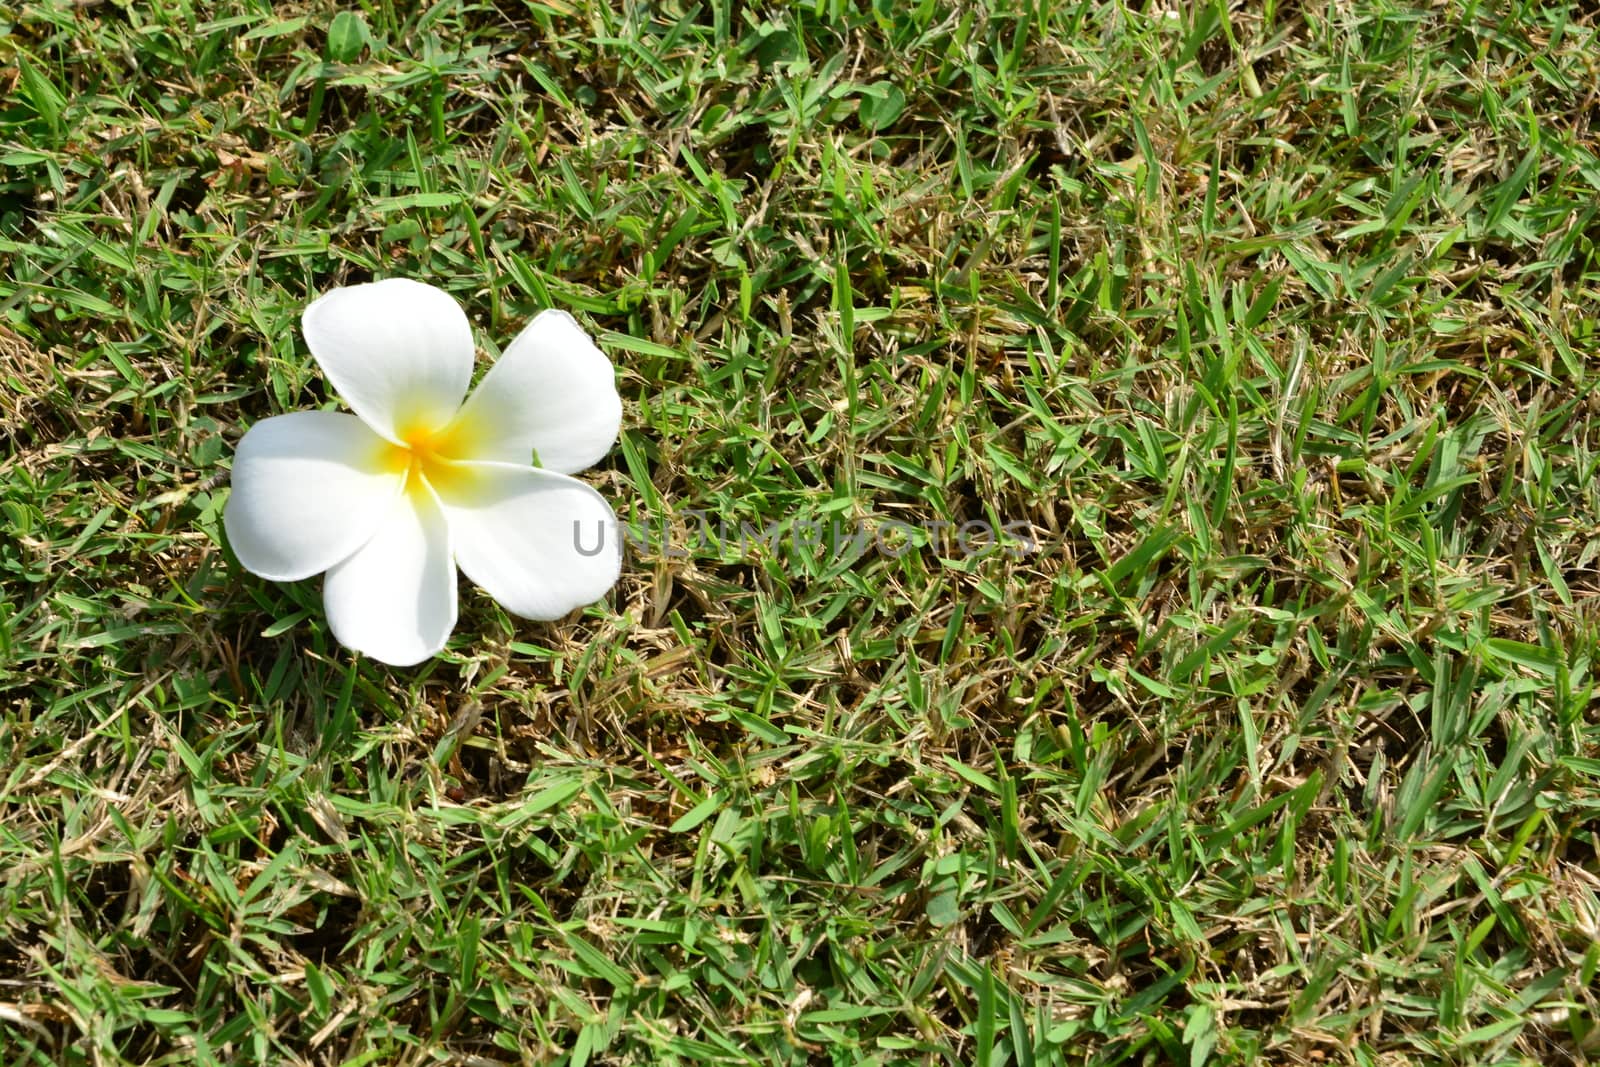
point(423, 479)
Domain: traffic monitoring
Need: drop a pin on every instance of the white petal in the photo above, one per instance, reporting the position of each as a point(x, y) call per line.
point(551, 392)
point(395, 599)
point(398, 351)
point(308, 490)
point(540, 543)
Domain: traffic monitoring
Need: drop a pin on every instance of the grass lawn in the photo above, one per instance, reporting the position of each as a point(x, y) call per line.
point(1117, 560)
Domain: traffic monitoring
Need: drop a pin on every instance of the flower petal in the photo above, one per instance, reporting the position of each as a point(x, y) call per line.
point(540, 543)
point(308, 490)
point(552, 391)
point(395, 599)
point(398, 351)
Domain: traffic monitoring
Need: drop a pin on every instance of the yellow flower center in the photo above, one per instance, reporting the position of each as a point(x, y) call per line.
point(426, 456)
